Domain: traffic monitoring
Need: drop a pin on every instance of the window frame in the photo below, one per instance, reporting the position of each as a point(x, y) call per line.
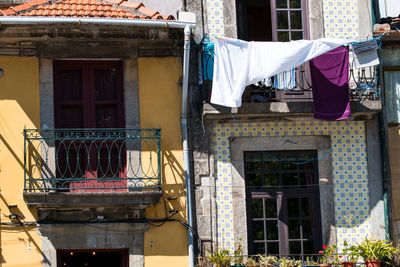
point(281, 194)
point(88, 101)
point(304, 13)
point(241, 21)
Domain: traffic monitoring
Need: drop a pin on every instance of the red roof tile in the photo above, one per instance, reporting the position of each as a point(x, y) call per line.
point(85, 8)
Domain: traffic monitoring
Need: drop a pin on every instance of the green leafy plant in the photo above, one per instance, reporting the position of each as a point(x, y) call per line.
point(329, 255)
point(251, 262)
point(371, 249)
point(221, 257)
point(284, 262)
point(350, 252)
point(267, 260)
point(311, 261)
point(238, 255)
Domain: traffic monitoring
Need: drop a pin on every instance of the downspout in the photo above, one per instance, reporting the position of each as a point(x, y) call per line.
point(15, 20)
point(185, 145)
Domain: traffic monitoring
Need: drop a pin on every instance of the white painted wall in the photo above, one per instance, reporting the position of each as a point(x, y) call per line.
point(392, 8)
point(168, 7)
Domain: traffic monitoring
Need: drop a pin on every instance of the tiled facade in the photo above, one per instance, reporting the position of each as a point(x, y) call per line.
point(215, 18)
point(341, 18)
point(349, 165)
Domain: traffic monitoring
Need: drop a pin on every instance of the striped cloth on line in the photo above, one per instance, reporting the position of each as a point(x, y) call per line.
point(285, 80)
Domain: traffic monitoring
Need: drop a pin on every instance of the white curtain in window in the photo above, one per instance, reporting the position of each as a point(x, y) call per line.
point(392, 89)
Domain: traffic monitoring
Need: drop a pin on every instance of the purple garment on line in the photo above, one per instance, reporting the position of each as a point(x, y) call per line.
point(330, 84)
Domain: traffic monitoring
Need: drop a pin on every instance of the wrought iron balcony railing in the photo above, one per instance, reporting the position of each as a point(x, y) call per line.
point(92, 160)
point(363, 84)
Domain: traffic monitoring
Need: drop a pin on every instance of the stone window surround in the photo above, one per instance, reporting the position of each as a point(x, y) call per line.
point(92, 236)
point(320, 143)
point(85, 236)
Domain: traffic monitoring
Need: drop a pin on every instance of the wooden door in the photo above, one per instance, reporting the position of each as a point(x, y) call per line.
point(89, 94)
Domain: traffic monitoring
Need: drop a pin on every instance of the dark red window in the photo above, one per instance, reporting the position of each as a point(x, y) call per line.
point(88, 94)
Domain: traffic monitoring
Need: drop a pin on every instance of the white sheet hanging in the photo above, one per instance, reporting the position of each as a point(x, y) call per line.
point(239, 63)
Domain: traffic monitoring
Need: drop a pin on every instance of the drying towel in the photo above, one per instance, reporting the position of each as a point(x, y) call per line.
point(330, 85)
point(365, 53)
point(239, 63)
point(285, 80)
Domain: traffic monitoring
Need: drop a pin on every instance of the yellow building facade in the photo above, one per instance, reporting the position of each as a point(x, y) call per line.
point(26, 88)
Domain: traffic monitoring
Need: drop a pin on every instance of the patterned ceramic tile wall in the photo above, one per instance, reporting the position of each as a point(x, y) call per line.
point(349, 165)
point(215, 18)
point(341, 18)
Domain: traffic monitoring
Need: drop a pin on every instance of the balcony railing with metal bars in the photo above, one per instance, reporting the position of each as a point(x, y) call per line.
point(363, 84)
point(92, 160)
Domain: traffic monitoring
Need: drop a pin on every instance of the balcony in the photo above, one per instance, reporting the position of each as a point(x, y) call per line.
point(261, 98)
point(92, 167)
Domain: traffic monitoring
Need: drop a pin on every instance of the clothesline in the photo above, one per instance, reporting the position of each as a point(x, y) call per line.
point(236, 66)
point(239, 63)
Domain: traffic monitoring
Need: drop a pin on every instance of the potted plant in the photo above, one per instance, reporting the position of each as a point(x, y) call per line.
point(375, 251)
point(220, 258)
point(238, 256)
point(285, 262)
point(250, 262)
point(267, 261)
point(328, 256)
point(350, 255)
point(311, 262)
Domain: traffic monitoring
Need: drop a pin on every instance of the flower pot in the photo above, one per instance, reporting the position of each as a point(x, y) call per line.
point(372, 263)
point(325, 265)
point(348, 264)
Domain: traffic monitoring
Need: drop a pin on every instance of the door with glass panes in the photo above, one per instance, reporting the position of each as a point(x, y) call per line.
point(283, 203)
point(89, 94)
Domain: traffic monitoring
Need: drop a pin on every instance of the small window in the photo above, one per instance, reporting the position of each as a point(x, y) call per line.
point(272, 20)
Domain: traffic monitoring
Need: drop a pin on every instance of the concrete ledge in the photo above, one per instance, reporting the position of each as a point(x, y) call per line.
point(286, 108)
point(60, 200)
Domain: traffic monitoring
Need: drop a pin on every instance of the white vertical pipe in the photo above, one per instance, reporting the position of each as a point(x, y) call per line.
point(185, 146)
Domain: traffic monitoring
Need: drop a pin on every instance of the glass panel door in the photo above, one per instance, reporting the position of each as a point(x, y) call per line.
point(283, 202)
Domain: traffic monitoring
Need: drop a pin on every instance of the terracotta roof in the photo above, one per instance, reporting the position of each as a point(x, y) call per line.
point(85, 8)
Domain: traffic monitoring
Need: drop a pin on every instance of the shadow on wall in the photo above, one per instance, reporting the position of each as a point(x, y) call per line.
point(168, 238)
point(25, 229)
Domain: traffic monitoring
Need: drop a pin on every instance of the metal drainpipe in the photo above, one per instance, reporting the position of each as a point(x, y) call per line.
point(185, 146)
point(11, 20)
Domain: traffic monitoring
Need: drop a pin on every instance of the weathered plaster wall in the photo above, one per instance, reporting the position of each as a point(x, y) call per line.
point(19, 108)
point(160, 106)
point(170, 7)
point(375, 179)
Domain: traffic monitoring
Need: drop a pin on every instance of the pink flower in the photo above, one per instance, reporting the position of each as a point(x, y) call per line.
point(321, 252)
point(324, 246)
